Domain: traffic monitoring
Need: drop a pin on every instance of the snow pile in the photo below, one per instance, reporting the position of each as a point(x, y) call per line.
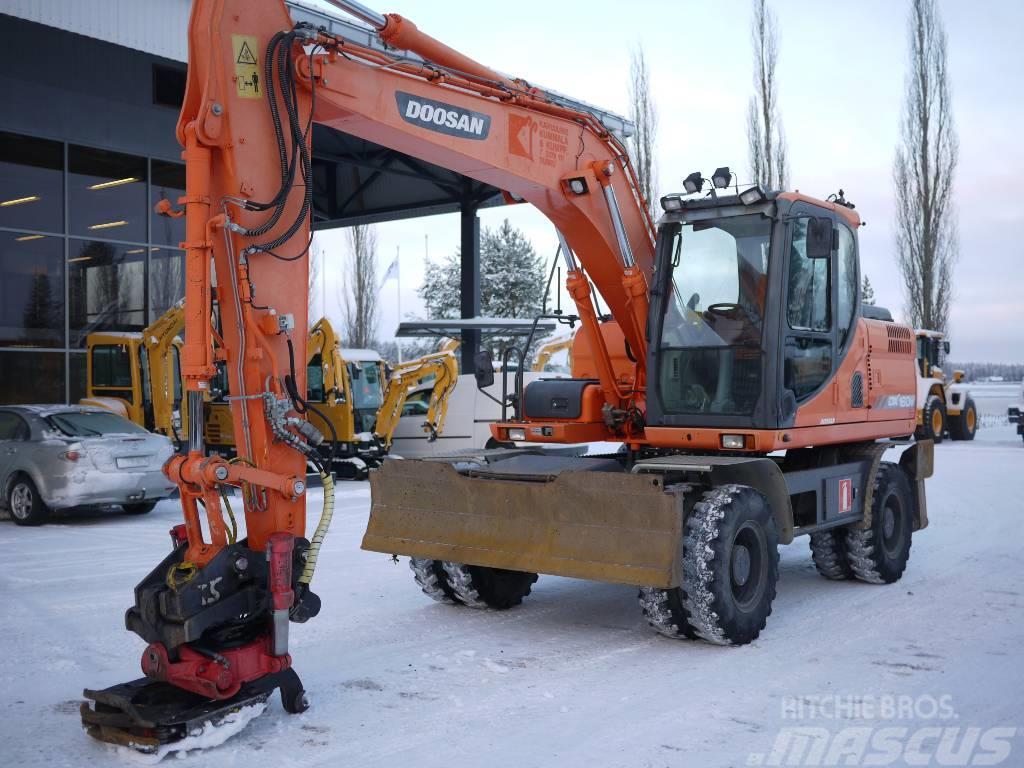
point(207, 737)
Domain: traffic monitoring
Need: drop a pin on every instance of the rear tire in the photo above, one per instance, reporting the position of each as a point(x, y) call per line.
point(25, 504)
point(964, 426)
point(481, 587)
point(933, 420)
point(829, 552)
point(879, 554)
point(142, 508)
point(730, 565)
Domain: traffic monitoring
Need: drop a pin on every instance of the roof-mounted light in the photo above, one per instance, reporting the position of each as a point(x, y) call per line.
point(753, 195)
point(670, 203)
point(693, 183)
point(721, 177)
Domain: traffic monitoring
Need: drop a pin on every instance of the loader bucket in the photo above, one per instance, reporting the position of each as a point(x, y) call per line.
point(556, 516)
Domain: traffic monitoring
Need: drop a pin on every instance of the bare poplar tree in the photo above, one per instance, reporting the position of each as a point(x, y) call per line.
point(313, 291)
point(927, 235)
point(361, 306)
point(166, 282)
point(766, 140)
point(644, 114)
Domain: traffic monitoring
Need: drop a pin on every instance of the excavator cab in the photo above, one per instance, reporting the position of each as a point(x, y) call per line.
point(753, 308)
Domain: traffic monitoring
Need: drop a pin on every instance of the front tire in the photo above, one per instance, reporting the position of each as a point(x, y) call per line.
point(730, 566)
point(964, 426)
point(25, 504)
point(879, 553)
point(481, 587)
point(933, 420)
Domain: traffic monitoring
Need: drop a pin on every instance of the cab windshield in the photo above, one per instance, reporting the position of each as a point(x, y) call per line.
point(714, 317)
point(367, 392)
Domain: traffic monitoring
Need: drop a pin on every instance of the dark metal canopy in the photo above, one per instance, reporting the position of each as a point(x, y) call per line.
point(358, 182)
point(489, 326)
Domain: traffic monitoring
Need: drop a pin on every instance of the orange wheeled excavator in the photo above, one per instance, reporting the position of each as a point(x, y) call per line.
point(748, 393)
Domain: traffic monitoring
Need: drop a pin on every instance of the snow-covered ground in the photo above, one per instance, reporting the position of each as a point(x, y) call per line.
point(573, 677)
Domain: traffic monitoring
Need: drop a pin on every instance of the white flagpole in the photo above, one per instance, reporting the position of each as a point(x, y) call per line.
point(398, 287)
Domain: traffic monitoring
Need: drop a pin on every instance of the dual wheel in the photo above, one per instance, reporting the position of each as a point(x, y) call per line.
point(472, 585)
point(878, 553)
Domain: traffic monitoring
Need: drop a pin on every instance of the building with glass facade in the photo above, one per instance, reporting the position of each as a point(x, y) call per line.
point(89, 101)
point(86, 149)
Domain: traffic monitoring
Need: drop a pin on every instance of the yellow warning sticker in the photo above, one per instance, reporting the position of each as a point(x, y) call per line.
point(247, 69)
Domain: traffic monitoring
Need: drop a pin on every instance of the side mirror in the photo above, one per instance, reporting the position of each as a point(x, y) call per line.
point(483, 364)
point(819, 237)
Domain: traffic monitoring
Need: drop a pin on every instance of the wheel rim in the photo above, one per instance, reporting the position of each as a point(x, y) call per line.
point(936, 422)
point(971, 419)
point(747, 565)
point(21, 501)
point(892, 531)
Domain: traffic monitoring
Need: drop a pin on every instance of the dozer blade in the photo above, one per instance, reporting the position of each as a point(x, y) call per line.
point(156, 717)
point(535, 513)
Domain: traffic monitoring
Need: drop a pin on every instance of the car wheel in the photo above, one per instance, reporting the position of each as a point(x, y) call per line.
point(139, 509)
point(25, 504)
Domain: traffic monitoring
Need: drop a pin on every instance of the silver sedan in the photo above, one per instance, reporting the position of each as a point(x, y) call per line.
point(58, 457)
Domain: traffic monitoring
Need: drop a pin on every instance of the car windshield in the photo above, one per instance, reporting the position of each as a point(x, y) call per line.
point(92, 424)
point(714, 317)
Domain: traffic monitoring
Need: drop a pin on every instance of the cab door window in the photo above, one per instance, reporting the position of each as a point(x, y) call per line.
point(315, 380)
point(112, 371)
point(847, 281)
point(809, 344)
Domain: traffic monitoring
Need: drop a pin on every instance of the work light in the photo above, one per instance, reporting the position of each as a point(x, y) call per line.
point(693, 183)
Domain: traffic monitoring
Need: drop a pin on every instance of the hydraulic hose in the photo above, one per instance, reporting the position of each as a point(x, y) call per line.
point(321, 529)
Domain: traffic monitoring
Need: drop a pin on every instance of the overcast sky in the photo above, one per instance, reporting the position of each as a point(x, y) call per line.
point(841, 74)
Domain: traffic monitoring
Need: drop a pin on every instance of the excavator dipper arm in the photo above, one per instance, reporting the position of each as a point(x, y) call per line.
point(215, 612)
point(404, 376)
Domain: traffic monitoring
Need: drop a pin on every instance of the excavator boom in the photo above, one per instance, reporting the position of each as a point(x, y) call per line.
point(256, 83)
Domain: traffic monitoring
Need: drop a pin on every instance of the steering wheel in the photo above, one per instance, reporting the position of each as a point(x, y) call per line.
point(724, 308)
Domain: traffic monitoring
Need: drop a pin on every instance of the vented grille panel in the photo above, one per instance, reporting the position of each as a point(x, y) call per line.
point(857, 390)
point(901, 339)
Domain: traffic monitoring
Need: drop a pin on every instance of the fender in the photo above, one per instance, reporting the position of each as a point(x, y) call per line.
point(761, 474)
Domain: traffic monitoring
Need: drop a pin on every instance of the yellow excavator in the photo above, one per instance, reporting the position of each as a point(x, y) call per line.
point(355, 399)
point(138, 375)
point(552, 348)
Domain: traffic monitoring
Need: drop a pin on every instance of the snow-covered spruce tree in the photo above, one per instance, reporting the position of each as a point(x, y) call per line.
point(867, 292)
point(512, 280)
